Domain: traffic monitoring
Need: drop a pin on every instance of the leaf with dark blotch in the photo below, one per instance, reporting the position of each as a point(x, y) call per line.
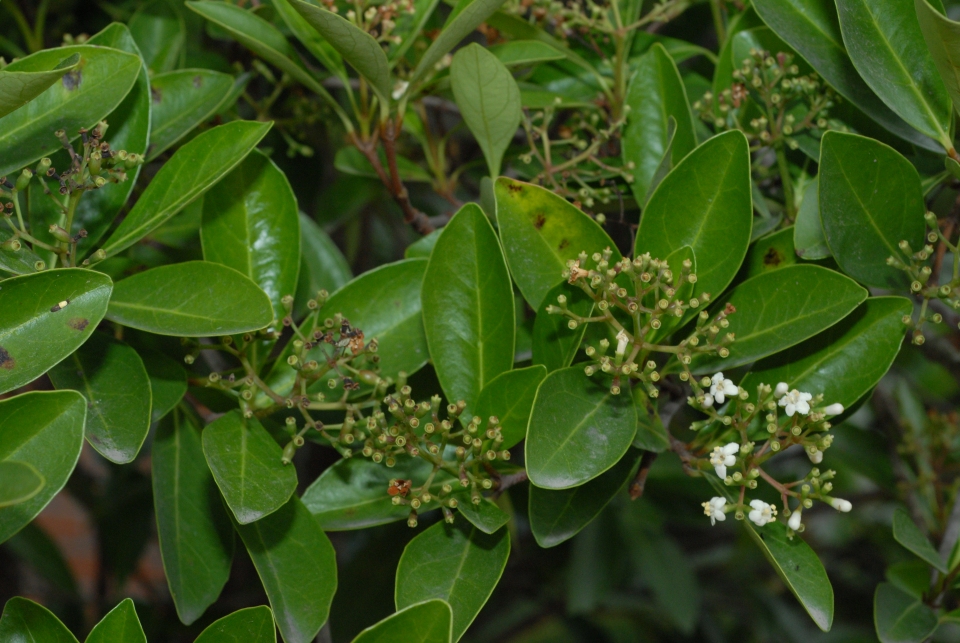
point(17, 88)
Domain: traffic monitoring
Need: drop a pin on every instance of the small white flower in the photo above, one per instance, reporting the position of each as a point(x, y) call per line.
point(715, 509)
point(723, 457)
point(796, 402)
point(833, 409)
point(762, 513)
point(815, 455)
point(840, 504)
point(781, 390)
point(399, 89)
point(722, 387)
point(707, 401)
point(794, 522)
point(622, 341)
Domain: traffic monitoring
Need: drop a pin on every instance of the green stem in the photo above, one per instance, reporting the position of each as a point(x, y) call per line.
point(718, 24)
point(786, 181)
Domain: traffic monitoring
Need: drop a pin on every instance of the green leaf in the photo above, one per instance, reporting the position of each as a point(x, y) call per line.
point(81, 99)
point(541, 231)
point(489, 101)
point(813, 29)
point(161, 35)
point(427, 622)
point(298, 568)
point(19, 262)
point(901, 618)
point(808, 236)
point(780, 308)
point(191, 299)
point(246, 463)
point(554, 344)
point(577, 429)
point(471, 17)
point(886, 46)
point(352, 494)
point(322, 265)
point(350, 160)
point(906, 532)
point(168, 382)
point(485, 515)
point(705, 203)
point(870, 200)
point(251, 224)
point(192, 170)
point(23, 621)
point(558, 516)
point(357, 47)
point(309, 38)
point(181, 100)
point(509, 397)
point(523, 53)
point(19, 88)
point(36, 332)
point(844, 362)
point(456, 563)
point(656, 93)
point(19, 482)
point(250, 625)
point(112, 378)
point(196, 537)
point(44, 430)
point(942, 36)
point(33, 546)
point(120, 625)
point(468, 307)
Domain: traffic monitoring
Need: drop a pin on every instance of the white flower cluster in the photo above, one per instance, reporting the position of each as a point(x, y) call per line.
point(720, 389)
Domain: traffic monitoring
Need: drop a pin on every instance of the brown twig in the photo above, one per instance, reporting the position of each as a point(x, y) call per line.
point(508, 481)
point(640, 481)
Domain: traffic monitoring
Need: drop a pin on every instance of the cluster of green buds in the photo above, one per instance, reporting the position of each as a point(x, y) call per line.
point(922, 282)
point(736, 440)
point(641, 301)
point(770, 101)
point(596, 22)
point(377, 19)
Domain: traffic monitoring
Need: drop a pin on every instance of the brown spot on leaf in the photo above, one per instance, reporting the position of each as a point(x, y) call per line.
point(513, 187)
point(539, 220)
point(6, 362)
point(79, 323)
point(564, 244)
point(772, 258)
point(72, 79)
point(198, 81)
point(156, 95)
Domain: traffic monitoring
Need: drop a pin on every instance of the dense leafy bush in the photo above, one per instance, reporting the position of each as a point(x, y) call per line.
point(625, 271)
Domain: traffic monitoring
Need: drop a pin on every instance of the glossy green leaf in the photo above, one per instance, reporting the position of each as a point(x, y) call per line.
point(901, 618)
point(558, 516)
point(906, 532)
point(887, 48)
point(19, 482)
point(813, 29)
point(298, 568)
point(191, 299)
point(309, 38)
point(356, 46)
point(468, 19)
point(44, 430)
point(519, 28)
point(168, 382)
point(780, 308)
point(870, 200)
point(521, 53)
point(489, 101)
point(19, 88)
point(36, 332)
point(112, 378)
point(196, 537)
point(250, 625)
point(577, 429)
point(19, 262)
point(81, 98)
point(192, 170)
point(251, 224)
point(456, 563)
point(246, 464)
point(656, 93)
point(181, 100)
point(120, 625)
point(322, 265)
point(942, 36)
point(509, 397)
point(845, 361)
point(808, 236)
point(160, 33)
point(704, 203)
point(352, 494)
point(485, 515)
point(554, 344)
point(23, 621)
point(350, 160)
point(541, 231)
point(468, 307)
point(427, 622)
